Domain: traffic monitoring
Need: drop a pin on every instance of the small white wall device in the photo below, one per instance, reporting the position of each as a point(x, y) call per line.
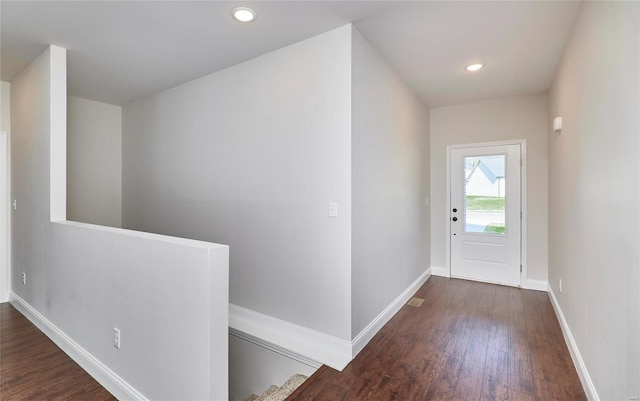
point(557, 125)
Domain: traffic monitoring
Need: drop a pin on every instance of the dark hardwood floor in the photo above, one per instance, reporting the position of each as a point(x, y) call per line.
point(32, 367)
point(468, 341)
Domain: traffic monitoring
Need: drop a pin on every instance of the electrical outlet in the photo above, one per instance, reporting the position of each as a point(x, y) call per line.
point(560, 285)
point(15, 204)
point(116, 337)
point(24, 278)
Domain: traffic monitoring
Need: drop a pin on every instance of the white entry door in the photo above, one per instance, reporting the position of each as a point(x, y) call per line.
point(485, 214)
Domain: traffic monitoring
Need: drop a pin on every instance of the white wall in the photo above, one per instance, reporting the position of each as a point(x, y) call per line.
point(168, 296)
point(390, 177)
point(251, 156)
point(5, 127)
point(94, 162)
point(5, 106)
point(512, 118)
point(594, 194)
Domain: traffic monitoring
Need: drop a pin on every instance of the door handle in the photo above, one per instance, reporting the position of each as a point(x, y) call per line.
point(455, 219)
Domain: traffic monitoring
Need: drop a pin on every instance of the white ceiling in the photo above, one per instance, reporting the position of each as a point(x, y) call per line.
point(122, 51)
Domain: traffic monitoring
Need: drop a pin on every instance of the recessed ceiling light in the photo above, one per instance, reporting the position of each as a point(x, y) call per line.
point(474, 67)
point(244, 14)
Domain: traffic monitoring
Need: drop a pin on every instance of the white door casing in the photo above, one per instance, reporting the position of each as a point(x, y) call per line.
point(4, 217)
point(479, 248)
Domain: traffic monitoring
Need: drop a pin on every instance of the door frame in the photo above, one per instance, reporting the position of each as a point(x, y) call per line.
point(523, 202)
point(5, 219)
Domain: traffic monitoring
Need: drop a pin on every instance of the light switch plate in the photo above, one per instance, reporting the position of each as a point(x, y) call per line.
point(333, 209)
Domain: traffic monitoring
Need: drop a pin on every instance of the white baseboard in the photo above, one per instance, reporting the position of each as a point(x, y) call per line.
point(105, 376)
point(275, 348)
point(308, 346)
point(4, 297)
point(300, 343)
point(537, 285)
point(440, 271)
point(587, 384)
point(372, 329)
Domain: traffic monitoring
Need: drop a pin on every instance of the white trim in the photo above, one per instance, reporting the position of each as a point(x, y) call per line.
point(5, 210)
point(440, 271)
point(308, 346)
point(523, 203)
point(105, 376)
point(372, 329)
point(275, 348)
point(537, 285)
point(291, 338)
point(9, 216)
point(141, 234)
point(587, 384)
point(447, 223)
point(523, 209)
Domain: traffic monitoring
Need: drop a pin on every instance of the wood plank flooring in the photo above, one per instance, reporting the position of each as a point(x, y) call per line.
point(32, 367)
point(468, 341)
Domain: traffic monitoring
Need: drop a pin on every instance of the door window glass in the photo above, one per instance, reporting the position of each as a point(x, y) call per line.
point(484, 194)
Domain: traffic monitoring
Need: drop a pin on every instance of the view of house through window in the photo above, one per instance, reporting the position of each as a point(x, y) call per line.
point(484, 189)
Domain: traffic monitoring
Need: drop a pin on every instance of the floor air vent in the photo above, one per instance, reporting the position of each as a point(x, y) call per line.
point(417, 302)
